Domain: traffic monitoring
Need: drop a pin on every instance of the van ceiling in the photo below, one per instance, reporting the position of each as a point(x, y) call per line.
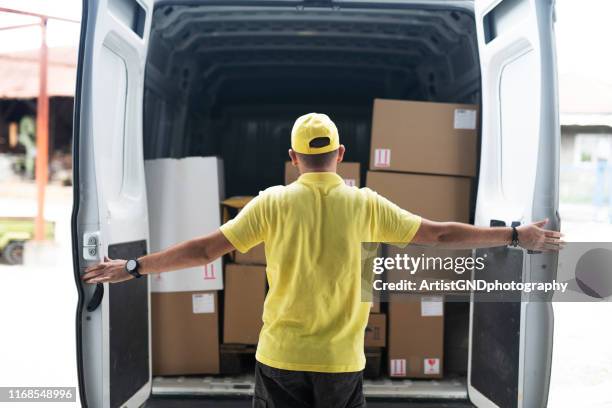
point(245, 72)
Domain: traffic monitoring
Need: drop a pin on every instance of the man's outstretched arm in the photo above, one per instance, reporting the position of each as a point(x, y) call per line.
point(465, 236)
point(187, 254)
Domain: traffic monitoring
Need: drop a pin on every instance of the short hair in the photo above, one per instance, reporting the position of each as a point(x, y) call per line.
point(318, 161)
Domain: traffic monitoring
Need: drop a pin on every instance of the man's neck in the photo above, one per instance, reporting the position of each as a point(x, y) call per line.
point(321, 170)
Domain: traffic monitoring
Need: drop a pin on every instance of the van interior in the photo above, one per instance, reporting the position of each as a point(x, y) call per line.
point(229, 81)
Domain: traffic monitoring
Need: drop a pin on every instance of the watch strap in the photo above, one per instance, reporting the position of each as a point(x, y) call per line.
point(515, 240)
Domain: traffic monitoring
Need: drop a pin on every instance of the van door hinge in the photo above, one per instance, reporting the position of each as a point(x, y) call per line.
point(91, 246)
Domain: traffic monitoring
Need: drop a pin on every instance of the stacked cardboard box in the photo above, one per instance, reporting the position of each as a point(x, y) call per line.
point(244, 295)
point(184, 304)
point(416, 336)
point(245, 292)
point(424, 137)
point(185, 334)
point(423, 156)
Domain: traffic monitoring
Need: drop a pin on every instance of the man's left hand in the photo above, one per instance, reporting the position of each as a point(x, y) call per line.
point(108, 271)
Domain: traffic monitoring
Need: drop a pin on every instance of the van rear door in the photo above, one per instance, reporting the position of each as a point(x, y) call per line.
point(511, 342)
point(110, 206)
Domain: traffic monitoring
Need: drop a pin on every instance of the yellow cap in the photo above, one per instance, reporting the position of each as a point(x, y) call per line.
point(312, 126)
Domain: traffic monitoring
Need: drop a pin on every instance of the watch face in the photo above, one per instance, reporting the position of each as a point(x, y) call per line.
point(131, 265)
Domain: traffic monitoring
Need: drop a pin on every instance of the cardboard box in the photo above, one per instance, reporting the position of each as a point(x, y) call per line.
point(376, 330)
point(349, 171)
point(245, 292)
point(438, 198)
point(185, 333)
point(416, 336)
point(183, 199)
point(229, 209)
point(373, 366)
point(424, 137)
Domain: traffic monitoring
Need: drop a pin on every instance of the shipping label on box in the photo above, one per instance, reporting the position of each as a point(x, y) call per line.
point(382, 158)
point(203, 303)
point(209, 276)
point(431, 366)
point(397, 367)
point(432, 306)
point(465, 119)
point(183, 198)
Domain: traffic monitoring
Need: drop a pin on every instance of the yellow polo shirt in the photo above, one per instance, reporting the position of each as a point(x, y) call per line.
point(313, 317)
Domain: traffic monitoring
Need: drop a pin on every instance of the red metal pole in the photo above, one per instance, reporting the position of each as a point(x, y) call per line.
point(42, 134)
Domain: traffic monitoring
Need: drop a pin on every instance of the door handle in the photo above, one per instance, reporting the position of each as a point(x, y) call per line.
point(96, 299)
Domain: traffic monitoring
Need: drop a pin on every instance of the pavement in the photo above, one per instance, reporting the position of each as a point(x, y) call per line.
point(37, 311)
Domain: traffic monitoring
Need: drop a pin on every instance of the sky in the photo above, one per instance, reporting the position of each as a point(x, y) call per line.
point(583, 31)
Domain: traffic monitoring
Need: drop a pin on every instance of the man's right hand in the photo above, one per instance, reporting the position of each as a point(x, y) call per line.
point(535, 238)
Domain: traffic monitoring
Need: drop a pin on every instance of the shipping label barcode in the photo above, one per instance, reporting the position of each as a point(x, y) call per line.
point(382, 157)
point(398, 367)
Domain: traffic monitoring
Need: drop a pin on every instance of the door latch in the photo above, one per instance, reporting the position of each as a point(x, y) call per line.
point(91, 246)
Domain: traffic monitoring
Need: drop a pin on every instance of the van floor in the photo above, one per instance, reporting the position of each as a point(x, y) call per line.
point(245, 402)
point(235, 391)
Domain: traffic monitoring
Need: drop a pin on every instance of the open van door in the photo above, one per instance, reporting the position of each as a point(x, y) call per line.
point(511, 343)
point(110, 205)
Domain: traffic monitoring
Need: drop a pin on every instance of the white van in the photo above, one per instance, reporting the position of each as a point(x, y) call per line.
point(177, 78)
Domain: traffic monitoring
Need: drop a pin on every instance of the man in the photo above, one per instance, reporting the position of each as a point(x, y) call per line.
point(310, 350)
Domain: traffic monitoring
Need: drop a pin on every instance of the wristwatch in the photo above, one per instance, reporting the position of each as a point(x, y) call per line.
point(132, 266)
point(515, 240)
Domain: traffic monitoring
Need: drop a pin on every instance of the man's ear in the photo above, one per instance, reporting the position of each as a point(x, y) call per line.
point(293, 157)
point(341, 151)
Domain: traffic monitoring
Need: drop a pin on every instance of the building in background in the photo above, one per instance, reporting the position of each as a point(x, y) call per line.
point(18, 93)
point(586, 148)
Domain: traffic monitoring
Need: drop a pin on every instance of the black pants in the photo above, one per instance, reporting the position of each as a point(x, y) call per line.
point(276, 388)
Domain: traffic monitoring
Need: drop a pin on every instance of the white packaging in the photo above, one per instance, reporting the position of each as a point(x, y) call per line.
point(183, 197)
point(432, 306)
point(203, 303)
point(465, 119)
